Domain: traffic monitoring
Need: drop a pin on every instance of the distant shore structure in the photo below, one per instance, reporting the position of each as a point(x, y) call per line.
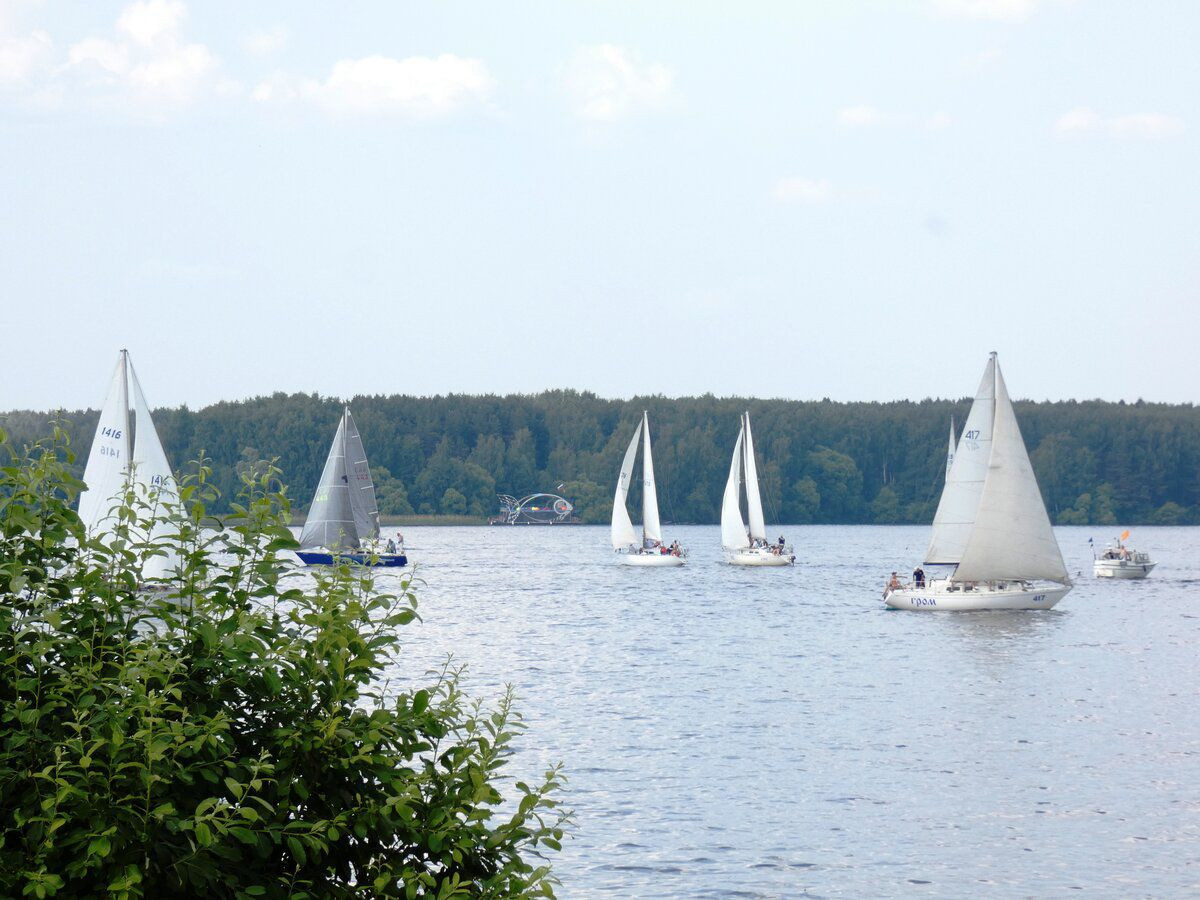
point(534, 509)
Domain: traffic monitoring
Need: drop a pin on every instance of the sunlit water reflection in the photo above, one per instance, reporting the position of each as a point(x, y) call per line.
point(766, 732)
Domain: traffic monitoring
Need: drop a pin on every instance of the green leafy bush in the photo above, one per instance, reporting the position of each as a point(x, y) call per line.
point(231, 733)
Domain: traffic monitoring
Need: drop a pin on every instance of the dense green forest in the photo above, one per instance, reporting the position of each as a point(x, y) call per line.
point(819, 461)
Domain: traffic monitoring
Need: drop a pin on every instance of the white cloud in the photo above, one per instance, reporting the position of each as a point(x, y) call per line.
point(265, 43)
point(152, 22)
point(994, 10)
point(22, 57)
point(148, 64)
point(417, 86)
point(864, 117)
point(939, 121)
point(803, 191)
point(606, 82)
point(1084, 121)
point(861, 117)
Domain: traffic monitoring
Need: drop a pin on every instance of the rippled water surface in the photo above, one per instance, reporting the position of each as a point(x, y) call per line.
point(759, 732)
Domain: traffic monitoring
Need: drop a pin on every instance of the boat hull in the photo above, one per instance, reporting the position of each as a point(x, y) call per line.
point(760, 558)
point(651, 560)
point(324, 558)
point(985, 597)
point(1121, 568)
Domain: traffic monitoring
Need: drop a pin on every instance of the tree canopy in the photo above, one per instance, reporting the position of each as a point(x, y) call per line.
point(819, 461)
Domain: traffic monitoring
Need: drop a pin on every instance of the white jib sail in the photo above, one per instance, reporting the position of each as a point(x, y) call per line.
point(964, 483)
point(754, 510)
point(1012, 538)
point(950, 452)
point(623, 535)
point(152, 479)
point(651, 527)
point(108, 461)
point(733, 529)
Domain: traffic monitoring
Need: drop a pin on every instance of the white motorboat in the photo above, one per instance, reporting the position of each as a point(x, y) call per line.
point(991, 523)
point(746, 545)
point(127, 456)
point(650, 549)
point(1119, 561)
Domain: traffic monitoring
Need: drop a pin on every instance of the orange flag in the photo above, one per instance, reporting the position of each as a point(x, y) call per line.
point(1125, 535)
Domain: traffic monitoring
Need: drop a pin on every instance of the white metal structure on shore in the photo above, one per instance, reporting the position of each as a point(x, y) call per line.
point(745, 543)
point(991, 523)
point(648, 551)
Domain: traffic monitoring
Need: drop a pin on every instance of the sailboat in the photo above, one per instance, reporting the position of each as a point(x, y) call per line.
point(343, 520)
point(747, 545)
point(991, 523)
point(649, 550)
point(126, 453)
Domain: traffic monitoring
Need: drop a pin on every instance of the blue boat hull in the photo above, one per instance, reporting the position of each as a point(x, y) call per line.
point(317, 558)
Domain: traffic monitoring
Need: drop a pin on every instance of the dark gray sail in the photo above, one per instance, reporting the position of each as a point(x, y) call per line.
point(362, 489)
point(331, 518)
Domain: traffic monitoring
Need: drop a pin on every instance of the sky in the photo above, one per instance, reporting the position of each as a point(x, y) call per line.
point(853, 200)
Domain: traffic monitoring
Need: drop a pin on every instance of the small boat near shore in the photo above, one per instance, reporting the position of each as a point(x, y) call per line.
point(648, 551)
point(991, 524)
point(1121, 562)
point(343, 520)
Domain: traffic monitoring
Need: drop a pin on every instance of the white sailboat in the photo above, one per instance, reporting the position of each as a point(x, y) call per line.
point(746, 544)
point(128, 454)
point(991, 523)
point(649, 550)
point(343, 521)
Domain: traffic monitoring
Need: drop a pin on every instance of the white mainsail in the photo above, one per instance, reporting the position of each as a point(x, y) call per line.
point(754, 508)
point(950, 452)
point(964, 482)
point(108, 462)
point(733, 529)
point(1011, 537)
point(623, 535)
point(330, 522)
point(651, 527)
point(152, 480)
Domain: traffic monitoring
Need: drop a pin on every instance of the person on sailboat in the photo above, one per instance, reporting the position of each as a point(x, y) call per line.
point(391, 546)
point(919, 577)
point(893, 585)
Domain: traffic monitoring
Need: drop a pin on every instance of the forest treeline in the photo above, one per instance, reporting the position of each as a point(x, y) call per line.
point(819, 461)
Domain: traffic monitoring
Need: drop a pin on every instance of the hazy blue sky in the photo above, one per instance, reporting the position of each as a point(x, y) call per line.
point(848, 199)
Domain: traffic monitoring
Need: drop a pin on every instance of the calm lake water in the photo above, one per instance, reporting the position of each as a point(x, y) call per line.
point(739, 732)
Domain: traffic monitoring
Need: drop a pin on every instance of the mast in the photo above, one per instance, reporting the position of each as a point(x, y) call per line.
point(651, 526)
point(754, 507)
point(127, 443)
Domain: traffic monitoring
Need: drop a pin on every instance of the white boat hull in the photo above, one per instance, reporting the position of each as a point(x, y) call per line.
point(1121, 568)
point(654, 560)
point(941, 596)
point(759, 558)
